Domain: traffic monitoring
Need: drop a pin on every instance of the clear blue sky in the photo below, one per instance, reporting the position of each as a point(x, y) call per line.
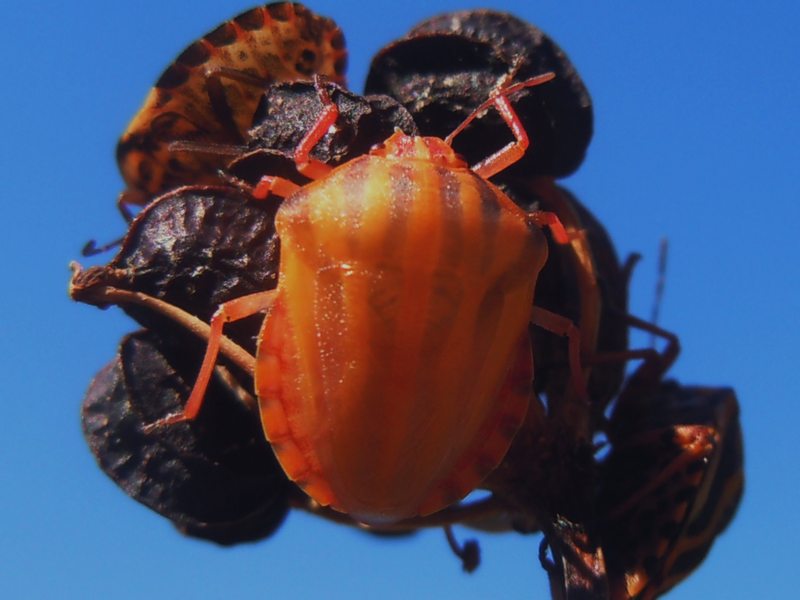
point(697, 135)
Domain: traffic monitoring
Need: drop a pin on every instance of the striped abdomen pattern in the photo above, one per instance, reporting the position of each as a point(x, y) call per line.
point(394, 367)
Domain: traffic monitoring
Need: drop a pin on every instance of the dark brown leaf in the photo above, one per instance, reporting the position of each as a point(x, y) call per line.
point(448, 65)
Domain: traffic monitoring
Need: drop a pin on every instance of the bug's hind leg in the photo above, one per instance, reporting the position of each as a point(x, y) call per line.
point(564, 327)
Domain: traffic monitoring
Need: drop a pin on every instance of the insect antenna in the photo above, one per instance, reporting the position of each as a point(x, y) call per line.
point(207, 148)
point(663, 250)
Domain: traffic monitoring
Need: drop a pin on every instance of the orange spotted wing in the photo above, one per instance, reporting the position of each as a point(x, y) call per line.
point(206, 98)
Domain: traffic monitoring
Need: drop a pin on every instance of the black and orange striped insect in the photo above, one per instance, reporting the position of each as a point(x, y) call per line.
point(209, 94)
point(671, 485)
point(401, 272)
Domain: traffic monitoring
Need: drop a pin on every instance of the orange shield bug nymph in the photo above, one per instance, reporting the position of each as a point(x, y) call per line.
point(209, 94)
point(394, 364)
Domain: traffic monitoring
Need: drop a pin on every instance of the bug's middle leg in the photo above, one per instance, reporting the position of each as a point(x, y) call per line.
point(565, 327)
point(233, 310)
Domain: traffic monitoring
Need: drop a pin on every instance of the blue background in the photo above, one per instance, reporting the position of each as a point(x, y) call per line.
point(696, 139)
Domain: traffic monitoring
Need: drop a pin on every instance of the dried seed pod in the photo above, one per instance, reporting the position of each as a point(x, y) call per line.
point(216, 479)
point(197, 247)
point(447, 66)
point(288, 110)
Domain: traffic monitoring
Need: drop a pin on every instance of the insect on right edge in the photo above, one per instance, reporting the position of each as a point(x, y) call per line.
point(672, 483)
point(394, 365)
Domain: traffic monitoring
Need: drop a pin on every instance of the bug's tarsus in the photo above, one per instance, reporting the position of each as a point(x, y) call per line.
point(130, 198)
point(91, 248)
point(170, 419)
point(469, 552)
point(310, 167)
point(504, 80)
point(549, 219)
point(277, 186)
point(267, 186)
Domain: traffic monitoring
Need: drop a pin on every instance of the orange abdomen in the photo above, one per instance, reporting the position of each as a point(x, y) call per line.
point(394, 367)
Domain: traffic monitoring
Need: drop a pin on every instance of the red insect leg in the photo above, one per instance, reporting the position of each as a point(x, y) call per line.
point(270, 184)
point(513, 151)
point(233, 310)
point(564, 327)
point(310, 167)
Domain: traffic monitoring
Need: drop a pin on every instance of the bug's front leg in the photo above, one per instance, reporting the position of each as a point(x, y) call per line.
point(233, 310)
point(273, 185)
point(310, 167)
point(306, 165)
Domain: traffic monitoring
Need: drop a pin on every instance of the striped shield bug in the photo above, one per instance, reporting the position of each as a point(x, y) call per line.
point(209, 94)
point(400, 271)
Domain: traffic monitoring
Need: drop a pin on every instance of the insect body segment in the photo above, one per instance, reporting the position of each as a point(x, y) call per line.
point(406, 285)
point(211, 91)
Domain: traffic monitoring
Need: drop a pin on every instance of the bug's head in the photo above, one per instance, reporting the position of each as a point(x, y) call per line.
point(411, 147)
